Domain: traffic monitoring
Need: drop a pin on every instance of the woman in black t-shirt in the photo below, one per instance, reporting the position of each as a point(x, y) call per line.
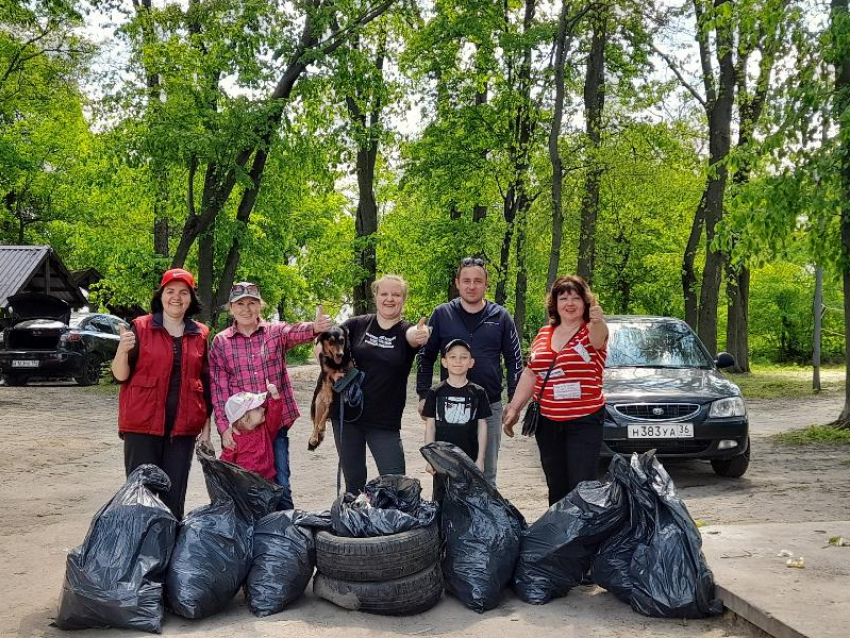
point(384, 346)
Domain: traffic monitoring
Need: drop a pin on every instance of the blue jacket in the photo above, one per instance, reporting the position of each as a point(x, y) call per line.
point(493, 339)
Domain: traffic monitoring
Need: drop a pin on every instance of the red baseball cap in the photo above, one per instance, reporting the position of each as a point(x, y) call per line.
point(177, 274)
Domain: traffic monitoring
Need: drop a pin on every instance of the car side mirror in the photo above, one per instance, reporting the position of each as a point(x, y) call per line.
point(724, 360)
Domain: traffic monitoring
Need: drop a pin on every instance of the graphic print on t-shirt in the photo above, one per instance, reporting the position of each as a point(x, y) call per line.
point(379, 341)
point(457, 410)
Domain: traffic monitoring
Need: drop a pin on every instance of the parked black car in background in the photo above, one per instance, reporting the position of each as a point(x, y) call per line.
point(47, 341)
point(664, 392)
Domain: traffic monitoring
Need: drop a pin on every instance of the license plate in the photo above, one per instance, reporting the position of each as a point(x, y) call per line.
point(661, 431)
point(24, 363)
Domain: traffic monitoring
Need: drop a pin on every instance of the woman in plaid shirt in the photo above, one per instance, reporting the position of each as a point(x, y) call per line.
point(251, 354)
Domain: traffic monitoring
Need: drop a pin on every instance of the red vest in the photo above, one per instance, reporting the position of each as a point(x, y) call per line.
point(141, 400)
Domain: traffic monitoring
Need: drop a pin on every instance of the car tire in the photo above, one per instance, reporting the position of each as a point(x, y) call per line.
point(15, 380)
point(91, 372)
point(398, 597)
point(735, 467)
point(377, 558)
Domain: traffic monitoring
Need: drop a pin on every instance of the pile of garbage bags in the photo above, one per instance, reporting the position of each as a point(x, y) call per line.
point(136, 556)
point(630, 533)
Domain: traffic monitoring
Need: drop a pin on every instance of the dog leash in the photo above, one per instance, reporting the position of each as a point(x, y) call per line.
point(353, 395)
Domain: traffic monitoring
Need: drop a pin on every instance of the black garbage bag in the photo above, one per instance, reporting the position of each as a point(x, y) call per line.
point(481, 530)
point(558, 549)
point(284, 559)
point(114, 579)
point(394, 491)
point(315, 521)
point(612, 563)
point(213, 552)
point(253, 495)
point(360, 517)
point(670, 578)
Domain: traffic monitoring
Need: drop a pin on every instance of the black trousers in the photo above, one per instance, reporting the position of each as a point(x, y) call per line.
point(173, 455)
point(351, 441)
point(569, 451)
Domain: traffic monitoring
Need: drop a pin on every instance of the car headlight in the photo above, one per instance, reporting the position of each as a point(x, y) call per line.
point(733, 406)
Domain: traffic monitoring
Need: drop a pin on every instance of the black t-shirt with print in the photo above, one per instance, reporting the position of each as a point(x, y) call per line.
point(386, 358)
point(456, 412)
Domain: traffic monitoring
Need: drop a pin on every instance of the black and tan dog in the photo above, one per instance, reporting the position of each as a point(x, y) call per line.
point(335, 362)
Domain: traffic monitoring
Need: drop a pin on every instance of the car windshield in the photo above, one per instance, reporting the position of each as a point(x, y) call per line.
point(655, 344)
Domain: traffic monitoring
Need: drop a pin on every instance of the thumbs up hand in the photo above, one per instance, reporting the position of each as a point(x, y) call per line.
point(421, 333)
point(322, 322)
point(596, 313)
point(127, 340)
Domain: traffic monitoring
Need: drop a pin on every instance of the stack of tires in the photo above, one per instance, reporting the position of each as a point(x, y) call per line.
point(393, 575)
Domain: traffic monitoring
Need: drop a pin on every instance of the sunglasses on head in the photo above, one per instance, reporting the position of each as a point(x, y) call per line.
point(244, 289)
point(473, 261)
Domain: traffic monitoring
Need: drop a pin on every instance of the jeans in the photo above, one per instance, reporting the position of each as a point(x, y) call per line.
point(351, 442)
point(494, 438)
point(281, 467)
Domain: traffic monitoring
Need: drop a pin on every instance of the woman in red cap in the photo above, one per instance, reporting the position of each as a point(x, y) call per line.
point(164, 403)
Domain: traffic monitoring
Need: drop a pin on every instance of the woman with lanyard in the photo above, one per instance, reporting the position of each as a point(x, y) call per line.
point(250, 354)
point(164, 401)
point(384, 347)
point(568, 356)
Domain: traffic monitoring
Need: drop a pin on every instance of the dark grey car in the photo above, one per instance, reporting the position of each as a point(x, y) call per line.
point(664, 392)
point(47, 341)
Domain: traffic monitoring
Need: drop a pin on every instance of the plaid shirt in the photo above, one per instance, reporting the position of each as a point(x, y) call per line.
point(245, 364)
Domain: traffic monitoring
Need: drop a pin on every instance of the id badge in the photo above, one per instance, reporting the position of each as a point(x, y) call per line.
point(582, 352)
point(564, 391)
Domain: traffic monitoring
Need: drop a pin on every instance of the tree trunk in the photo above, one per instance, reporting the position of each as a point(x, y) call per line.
point(366, 227)
point(554, 150)
point(366, 219)
point(840, 25)
point(817, 307)
point(521, 286)
point(737, 320)
point(159, 173)
point(517, 202)
point(719, 112)
point(206, 267)
point(524, 125)
point(594, 104)
point(509, 213)
point(689, 275)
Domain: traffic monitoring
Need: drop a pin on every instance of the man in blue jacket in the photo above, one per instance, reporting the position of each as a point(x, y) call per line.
point(490, 331)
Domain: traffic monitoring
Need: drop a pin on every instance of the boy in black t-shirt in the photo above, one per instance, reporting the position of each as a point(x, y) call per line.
point(456, 409)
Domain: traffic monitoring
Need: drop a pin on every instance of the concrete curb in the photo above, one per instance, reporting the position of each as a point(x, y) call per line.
point(754, 581)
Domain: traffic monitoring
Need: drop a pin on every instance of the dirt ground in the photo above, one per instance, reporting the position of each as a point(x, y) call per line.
point(62, 460)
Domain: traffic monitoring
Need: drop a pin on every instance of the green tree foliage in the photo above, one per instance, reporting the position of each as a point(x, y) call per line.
point(231, 135)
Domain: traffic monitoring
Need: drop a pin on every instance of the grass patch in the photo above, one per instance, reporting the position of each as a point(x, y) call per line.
point(773, 381)
point(813, 434)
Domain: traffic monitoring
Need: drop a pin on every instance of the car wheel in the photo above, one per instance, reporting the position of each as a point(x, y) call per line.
point(16, 380)
point(398, 597)
point(377, 558)
point(91, 372)
point(735, 467)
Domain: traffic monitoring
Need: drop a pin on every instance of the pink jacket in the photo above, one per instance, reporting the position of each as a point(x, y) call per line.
point(254, 450)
